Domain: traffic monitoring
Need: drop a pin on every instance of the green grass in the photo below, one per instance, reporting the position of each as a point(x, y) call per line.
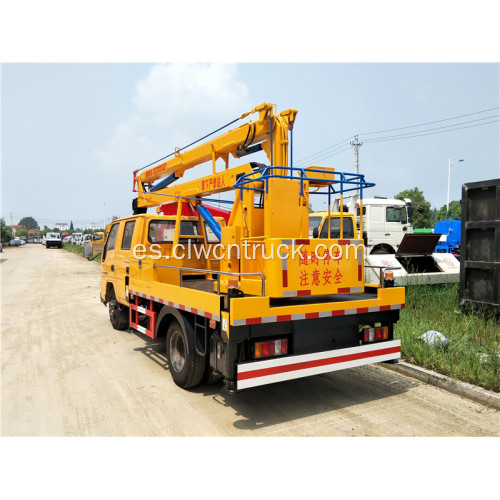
point(472, 355)
point(78, 249)
point(73, 248)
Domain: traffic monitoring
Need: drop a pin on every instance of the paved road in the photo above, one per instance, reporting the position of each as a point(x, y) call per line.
point(67, 372)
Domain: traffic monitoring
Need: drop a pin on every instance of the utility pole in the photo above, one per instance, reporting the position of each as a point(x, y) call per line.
point(356, 145)
point(450, 164)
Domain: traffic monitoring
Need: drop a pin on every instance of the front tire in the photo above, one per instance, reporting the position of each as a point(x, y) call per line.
point(186, 366)
point(118, 313)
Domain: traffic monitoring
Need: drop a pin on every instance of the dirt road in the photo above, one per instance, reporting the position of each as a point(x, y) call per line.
point(67, 372)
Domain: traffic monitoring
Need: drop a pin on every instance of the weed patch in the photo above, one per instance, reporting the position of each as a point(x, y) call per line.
point(473, 353)
point(78, 249)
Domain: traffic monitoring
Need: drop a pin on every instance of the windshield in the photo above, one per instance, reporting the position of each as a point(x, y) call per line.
point(348, 230)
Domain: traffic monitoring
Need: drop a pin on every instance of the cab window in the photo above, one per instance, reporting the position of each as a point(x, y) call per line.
point(211, 238)
point(127, 235)
point(162, 231)
point(110, 244)
point(395, 214)
point(335, 228)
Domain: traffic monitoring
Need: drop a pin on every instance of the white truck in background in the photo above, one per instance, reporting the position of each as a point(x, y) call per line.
point(76, 238)
point(390, 243)
point(53, 240)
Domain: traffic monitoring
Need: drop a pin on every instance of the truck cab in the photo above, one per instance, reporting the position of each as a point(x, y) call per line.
point(76, 238)
point(53, 240)
point(147, 239)
point(342, 225)
point(385, 223)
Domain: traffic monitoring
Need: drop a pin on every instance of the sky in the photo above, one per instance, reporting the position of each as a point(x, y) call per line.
point(72, 133)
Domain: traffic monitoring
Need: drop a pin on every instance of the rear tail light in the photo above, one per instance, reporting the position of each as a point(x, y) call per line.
point(270, 348)
point(374, 334)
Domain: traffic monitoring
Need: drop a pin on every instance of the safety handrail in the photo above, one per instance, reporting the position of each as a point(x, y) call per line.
point(354, 181)
point(218, 273)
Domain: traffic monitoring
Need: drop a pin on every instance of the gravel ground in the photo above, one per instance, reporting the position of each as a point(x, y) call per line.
point(67, 372)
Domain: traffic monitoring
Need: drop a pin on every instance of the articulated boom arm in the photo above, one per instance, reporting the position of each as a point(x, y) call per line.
point(269, 133)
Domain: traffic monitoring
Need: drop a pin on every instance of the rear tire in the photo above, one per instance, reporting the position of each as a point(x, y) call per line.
point(118, 313)
point(186, 366)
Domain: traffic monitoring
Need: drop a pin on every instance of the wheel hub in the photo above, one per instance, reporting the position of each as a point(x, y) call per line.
point(177, 352)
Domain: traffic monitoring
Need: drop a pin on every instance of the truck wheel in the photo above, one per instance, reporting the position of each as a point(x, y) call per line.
point(186, 368)
point(118, 313)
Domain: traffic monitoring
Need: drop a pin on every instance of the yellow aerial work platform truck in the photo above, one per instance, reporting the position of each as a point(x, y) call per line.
point(256, 300)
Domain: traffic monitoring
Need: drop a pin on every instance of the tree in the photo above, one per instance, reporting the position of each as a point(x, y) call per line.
point(454, 212)
point(21, 232)
point(71, 228)
point(434, 216)
point(421, 207)
point(6, 235)
point(29, 223)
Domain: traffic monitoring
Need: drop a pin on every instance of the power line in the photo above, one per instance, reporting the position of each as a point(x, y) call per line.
point(430, 123)
point(324, 157)
point(418, 134)
point(323, 150)
point(320, 155)
point(435, 128)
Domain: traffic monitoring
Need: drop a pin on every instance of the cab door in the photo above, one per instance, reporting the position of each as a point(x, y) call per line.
point(108, 259)
point(123, 255)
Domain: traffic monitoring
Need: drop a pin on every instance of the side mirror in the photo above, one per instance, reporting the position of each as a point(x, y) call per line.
point(87, 250)
point(315, 232)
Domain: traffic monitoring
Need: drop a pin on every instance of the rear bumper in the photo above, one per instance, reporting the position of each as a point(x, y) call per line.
point(291, 367)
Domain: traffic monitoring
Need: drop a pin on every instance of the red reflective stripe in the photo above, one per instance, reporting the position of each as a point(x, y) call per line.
point(253, 321)
point(284, 276)
point(285, 317)
point(344, 242)
point(338, 313)
point(312, 315)
point(263, 372)
point(402, 306)
point(385, 308)
point(302, 242)
point(302, 293)
point(360, 276)
point(344, 290)
point(362, 310)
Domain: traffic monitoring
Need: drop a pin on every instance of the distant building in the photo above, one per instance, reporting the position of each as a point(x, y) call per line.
point(95, 226)
point(33, 232)
point(16, 228)
point(62, 226)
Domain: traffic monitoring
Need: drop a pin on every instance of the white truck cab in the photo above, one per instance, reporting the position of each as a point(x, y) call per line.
point(385, 223)
point(76, 238)
point(53, 240)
